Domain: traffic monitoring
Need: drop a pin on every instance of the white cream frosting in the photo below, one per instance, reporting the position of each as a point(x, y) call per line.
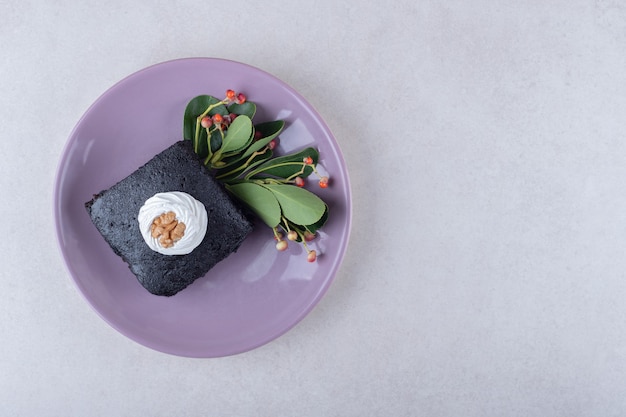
point(188, 210)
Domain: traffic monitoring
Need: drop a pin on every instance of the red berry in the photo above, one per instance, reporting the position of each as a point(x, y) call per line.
point(206, 122)
point(292, 235)
point(230, 94)
point(308, 236)
point(311, 256)
point(324, 182)
point(217, 118)
point(241, 98)
point(299, 182)
point(272, 144)
point(232, 117)
point(308, 160)
point(281, 245)
point(257, 135)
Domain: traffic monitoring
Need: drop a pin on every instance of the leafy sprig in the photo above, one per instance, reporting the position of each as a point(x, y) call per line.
point(241, 155)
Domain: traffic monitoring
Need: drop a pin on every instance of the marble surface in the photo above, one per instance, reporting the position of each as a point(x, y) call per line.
point(485, 274)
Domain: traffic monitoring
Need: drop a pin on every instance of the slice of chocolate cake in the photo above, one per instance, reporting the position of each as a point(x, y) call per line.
point(114, 212)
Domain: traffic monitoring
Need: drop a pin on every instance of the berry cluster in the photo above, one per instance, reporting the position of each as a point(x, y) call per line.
point(222, 122)
point(308, 161)
point(232, 97)
point(294, 233)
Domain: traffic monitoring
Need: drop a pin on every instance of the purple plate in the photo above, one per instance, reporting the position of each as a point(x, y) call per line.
point(250, 298)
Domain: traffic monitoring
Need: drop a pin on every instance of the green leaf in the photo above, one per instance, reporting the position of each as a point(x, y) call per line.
point(312, 228)
point(194, 108)
point(270, 129)
point(191, 129)
point(318, 224)
point(200, 145)
point(298, 205)
point(238, 135)
point(246, 109)
point(260, 200)
point(286, 166)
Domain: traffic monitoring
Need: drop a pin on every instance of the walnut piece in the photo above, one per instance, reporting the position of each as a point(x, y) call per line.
point(167, 229)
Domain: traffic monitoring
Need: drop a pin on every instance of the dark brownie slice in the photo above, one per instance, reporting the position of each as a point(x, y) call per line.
point(114, 213)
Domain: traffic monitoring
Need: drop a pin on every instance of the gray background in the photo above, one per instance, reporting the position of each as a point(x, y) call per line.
point(485, 274)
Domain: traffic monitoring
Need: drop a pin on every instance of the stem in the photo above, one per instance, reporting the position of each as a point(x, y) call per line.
point(315, 171)
point(290, 178)
point(302, 239)
point(197, 135)
point(208, 142)
point(266, 181)
point(286, 223)
point(209, 132)
point(244, 165)
point(211, 107)
point(259, 170)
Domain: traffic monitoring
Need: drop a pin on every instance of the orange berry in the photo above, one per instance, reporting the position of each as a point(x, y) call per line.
point(324, 182)
point(217, 118)
point(230, 94)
